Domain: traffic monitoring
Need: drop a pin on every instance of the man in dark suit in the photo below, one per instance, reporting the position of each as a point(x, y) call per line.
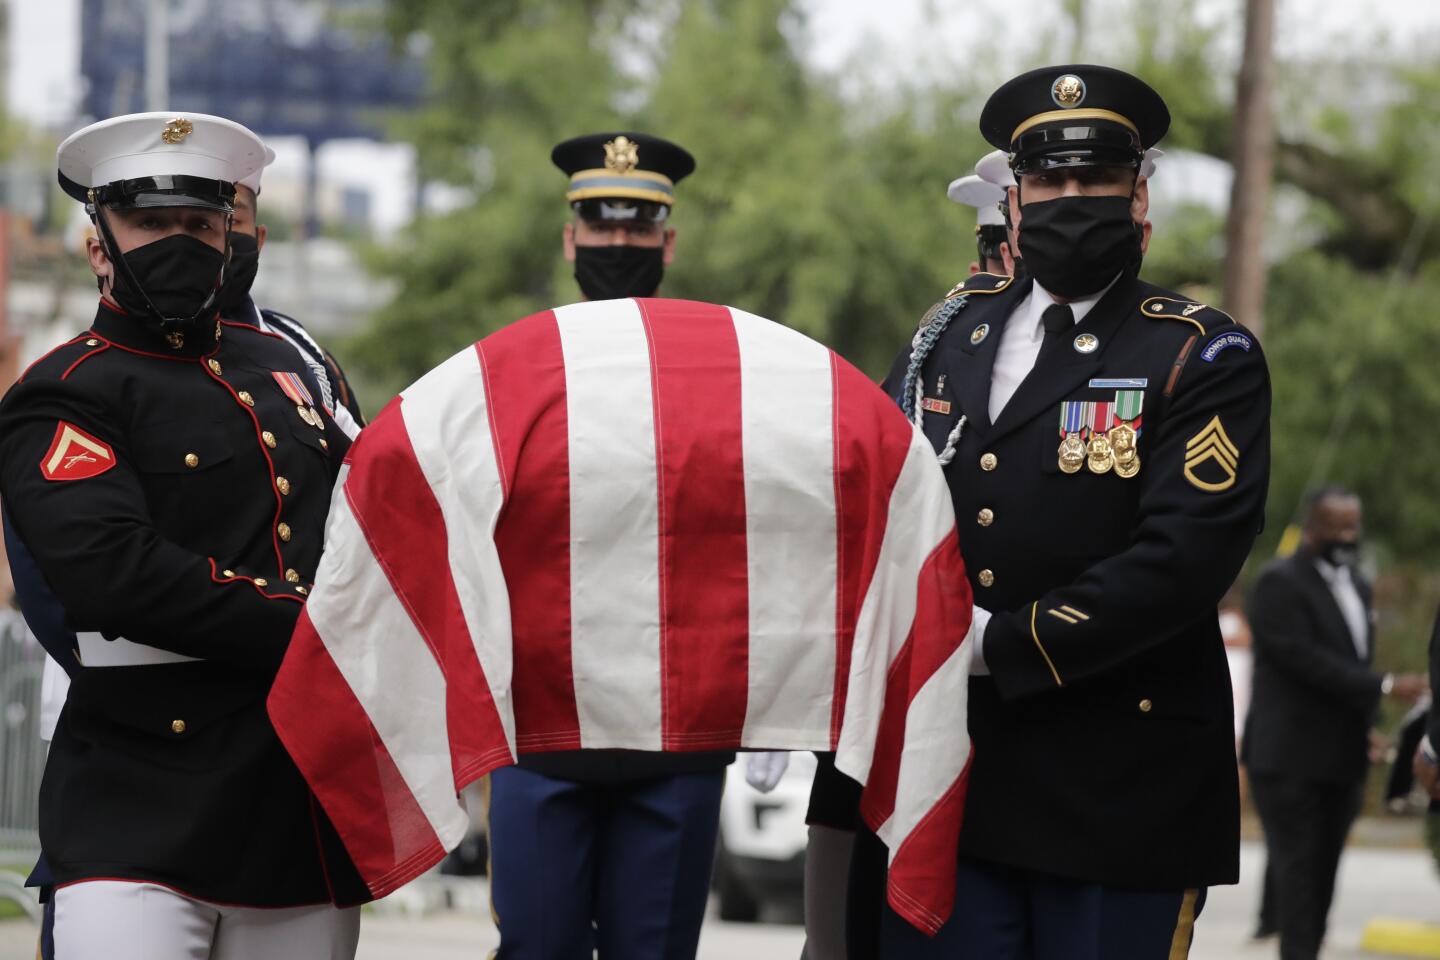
point(1307, 738)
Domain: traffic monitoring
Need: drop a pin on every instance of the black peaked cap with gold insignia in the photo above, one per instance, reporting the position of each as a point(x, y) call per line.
point(1074, 115)
point(622, 176)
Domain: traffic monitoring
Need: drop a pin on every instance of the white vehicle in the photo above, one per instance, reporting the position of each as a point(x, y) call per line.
point(761, 854)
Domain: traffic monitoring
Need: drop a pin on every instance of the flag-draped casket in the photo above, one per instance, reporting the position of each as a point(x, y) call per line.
point(640, 524)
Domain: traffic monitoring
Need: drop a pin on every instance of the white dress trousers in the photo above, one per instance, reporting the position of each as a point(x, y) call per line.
point(126, 920)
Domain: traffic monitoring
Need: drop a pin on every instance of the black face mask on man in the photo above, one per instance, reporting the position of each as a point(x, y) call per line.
point(613, 272)
point(1074, 246)
point(240, 274)
point(1339, 553)
point(176, 275)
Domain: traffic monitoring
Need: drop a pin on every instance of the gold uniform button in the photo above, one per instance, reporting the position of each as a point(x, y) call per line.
point(989, 462)
point(1145, 706)
point(987, 578)
point(269, 439)
point(302, 591)
point(985, 517)
point(245, 398)
point(283, 486)
point(284, 531)
point(228, 573)
point(92, 343)
point(324, 444)
point(215, 367)
point(261, 582)
point(177, 726)
point(192, 461)
point(292, 576)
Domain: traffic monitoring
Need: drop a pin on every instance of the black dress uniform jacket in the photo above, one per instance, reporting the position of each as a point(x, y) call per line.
point(196, 528)
point(1315, 697)
point(1104, 740)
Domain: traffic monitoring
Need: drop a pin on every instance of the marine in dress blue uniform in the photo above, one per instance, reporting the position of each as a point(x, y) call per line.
point(1107, 447)
point(608, 850)
point(165, 477)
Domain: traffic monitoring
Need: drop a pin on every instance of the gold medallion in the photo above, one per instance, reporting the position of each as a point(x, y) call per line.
point(1068, 91)
point(1099, 457)
point(304, 412)
point(316, 421)
point(177, 130)
point(1122, 442)
point(622, 155)
point(1072, 453)
point(1127, 469)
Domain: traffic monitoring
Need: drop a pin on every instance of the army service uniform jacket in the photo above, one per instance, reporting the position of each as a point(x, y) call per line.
point(1104, 738)
point(172, 502)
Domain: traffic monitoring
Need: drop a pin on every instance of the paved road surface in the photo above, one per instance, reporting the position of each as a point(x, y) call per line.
point(1396, 883)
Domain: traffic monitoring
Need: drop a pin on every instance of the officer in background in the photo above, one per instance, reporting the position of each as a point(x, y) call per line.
point(1107, 444)
point(609, 850)
point(991, 233)
point(166, 476)
point(247, 239)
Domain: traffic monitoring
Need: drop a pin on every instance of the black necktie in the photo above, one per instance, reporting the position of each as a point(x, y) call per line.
point(1058, 319)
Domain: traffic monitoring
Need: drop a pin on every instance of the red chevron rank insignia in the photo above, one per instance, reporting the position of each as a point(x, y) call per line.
point(75, 455)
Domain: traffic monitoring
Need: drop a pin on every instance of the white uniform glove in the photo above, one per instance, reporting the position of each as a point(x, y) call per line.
point(764, 770)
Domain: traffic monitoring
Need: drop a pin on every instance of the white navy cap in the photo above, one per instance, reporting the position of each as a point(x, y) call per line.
point(253, 180)
point(981, 194)
point(994, 168)
point(159, 159)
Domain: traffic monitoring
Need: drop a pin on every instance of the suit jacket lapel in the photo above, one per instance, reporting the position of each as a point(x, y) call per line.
point(973, 387)
point(1061, 371)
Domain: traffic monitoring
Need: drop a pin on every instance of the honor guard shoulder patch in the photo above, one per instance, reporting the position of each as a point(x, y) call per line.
point(1224, 342)
point(76, 455)
point(1203, 318)
point(1212, 460)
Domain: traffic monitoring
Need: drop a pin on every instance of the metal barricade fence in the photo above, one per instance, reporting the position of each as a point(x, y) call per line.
point(22, 752)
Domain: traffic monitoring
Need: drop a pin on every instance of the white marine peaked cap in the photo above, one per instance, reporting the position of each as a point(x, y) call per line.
point(981, 194)
point(138, 146)
point(253, 180)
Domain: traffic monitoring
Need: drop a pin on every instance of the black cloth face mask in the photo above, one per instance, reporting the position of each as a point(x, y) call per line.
point(1339, 553)
point(240, 274)
point(1074, 246)
point(613, 272)
point(177, 273)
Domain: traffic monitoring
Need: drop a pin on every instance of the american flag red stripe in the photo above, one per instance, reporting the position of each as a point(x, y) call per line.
point(635, 524)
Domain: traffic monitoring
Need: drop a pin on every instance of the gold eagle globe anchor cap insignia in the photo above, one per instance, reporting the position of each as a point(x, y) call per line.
point(177, 130)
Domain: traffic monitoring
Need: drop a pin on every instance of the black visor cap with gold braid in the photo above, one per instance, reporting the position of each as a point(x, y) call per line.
point(1074, 115)
point(622, 175)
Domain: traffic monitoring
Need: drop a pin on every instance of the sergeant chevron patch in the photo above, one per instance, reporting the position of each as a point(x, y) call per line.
point(1213, 450)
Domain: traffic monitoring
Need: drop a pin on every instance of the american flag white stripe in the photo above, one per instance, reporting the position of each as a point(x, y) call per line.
point(398, 681)
point(447, 417)
point(915, 526)
point(614, 527)
point(788, 416)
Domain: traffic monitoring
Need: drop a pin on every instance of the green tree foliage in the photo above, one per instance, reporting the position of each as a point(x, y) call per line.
point(804, 208)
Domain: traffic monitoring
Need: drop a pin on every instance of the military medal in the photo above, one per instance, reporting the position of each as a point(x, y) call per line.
point(1099, 458)
point(295, 390)
point(1124, 436)
point(1072, 449)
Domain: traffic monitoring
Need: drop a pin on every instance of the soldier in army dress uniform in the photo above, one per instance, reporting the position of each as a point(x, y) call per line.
point(166, 477)
point(1107, 447)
